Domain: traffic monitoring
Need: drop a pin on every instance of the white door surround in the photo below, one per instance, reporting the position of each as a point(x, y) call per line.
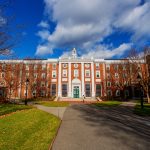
point(76, 82)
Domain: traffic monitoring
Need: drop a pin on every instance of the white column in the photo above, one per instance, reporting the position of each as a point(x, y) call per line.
point(92, 73)
point(104, 81)
point(59, 80)
point(69, 82)
point(82, 78)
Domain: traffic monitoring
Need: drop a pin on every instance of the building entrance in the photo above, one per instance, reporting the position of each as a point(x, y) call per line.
point(76, 92)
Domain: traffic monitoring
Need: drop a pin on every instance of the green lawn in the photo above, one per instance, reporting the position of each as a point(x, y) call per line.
point(32, 129)
point(107, 103)
point(8, 108)
point(54, 103)
point(142, 112)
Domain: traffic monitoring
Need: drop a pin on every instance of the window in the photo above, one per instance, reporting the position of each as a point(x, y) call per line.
point(117, 83)
point(64, 65)
point(107, 66)
point(87, 90)
point(64, 73)
point(87, 65)
point(126, 83)
point(34, 93)
point(109, 93)
point(27, 74)
point(35, 75)
point(64, 90)
point(115, 67)
point(3, 66)
point(108, 83)
point(117, 92)
point(42, 84)
point(53, 74)
point(124, 67)
point(44, 67)
point(116, 75)
point(87, 73)
point(35, 67)
point(13, 66)
point(76, 73)
point(54, 65)
point(53, 89)
point(97, 65)
point(124, 75)
point(108, 75)
point(126, 92)
point(42, 93)
point(43, 75)
point(3, 75)
point(27, 67)
point(97, 74)
point(98, 90)
point(75, 65)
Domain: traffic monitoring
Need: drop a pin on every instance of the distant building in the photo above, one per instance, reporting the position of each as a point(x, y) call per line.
point(70, 77)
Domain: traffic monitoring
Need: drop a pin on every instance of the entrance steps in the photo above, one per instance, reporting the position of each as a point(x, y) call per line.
point(67, 99)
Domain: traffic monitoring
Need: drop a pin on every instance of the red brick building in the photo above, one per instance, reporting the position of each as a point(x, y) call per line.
point(66, 77)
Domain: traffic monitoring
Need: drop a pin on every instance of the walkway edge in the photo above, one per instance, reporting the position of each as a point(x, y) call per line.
point(51, 144)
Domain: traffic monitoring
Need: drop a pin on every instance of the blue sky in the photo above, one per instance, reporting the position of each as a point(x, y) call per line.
point(99, 28)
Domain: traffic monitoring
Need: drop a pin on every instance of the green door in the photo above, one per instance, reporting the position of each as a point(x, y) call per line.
point(76, 92)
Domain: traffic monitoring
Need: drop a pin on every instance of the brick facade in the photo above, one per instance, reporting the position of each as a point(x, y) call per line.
point(64, 77)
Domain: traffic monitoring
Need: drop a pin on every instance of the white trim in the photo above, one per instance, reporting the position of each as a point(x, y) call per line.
point(59, 80)
point(69, 76)
point(92, 73)
point(82, 78)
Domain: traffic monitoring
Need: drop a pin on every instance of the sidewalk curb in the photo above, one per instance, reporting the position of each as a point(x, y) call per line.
point(51, 144)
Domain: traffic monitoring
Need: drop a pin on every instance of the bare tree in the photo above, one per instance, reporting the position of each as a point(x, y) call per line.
point(7, 26)
point(138, 62)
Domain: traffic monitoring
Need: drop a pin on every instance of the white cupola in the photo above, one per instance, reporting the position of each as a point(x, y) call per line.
point(74, 53)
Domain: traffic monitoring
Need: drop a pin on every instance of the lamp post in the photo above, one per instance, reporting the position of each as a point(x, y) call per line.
point(141, 90)
point(27, 83)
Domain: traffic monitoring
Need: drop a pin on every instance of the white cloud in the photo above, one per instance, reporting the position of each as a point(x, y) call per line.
point(43, 24)
point(44, 49)
point(43, 34)
point(103, 51)
point(83, 23)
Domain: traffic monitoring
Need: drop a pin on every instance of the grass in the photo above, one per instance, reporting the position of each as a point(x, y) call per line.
point(142, 112)
point(30, 129)
point(54, 103)
point(108, 103)
point(9, 108)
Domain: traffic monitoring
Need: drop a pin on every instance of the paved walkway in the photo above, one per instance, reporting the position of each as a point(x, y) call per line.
point(84, 127)
point(57, 111)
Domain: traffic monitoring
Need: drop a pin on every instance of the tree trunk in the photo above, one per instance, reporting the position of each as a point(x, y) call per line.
point(148, 97)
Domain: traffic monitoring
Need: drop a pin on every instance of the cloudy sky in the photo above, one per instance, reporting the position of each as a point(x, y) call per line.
point(99, 28)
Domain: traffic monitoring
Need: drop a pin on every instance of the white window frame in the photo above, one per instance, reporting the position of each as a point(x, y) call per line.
point(54, 75)
point(87, 65)
point(65, 65)
point(54, 65)
point(43, 84)
point(108, 84)
point(107, 66)
point(35, 75)
point(97, 74)
point(27, 67)
point(43, 75)
point(43, 66)
point(97, 65)
point(76, 73)
point(75, 65)
point(64, 73)
point(87, 72)
point(117, 93)
point(116, 75)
